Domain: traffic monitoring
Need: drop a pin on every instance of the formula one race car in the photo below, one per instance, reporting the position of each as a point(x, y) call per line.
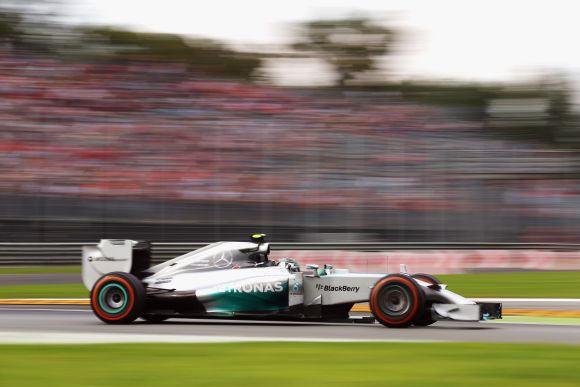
point(238, 280)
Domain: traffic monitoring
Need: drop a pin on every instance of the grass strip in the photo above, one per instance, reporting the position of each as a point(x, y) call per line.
point(40, 269)
point(290, 364)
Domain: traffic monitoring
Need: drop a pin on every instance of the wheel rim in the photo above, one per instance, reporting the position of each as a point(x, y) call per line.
point(113, 298)
point(395, 301)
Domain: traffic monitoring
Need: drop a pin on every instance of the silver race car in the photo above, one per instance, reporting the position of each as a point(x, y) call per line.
point(238, 280)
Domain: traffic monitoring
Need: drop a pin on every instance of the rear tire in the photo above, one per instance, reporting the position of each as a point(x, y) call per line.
point(426, 318)
point(396, 300)
point(118, 298)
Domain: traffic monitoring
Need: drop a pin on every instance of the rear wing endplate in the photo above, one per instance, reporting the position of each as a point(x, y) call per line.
point(111, 255)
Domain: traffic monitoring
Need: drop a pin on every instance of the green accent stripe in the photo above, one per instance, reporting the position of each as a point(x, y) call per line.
point(104, 305)
point(231, 301)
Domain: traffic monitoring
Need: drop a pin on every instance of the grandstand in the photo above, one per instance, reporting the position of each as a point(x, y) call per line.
point(90, 149)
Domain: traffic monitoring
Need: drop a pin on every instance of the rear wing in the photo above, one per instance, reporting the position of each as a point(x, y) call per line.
point(111, 255)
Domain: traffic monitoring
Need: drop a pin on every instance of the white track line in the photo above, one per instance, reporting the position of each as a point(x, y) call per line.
point(547, 300)
point(11, 337)
point(550, 323)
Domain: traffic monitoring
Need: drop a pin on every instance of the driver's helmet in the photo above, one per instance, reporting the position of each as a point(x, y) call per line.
point(290, 264)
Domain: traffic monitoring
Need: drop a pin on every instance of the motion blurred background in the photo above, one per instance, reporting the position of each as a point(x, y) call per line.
point(364, 121)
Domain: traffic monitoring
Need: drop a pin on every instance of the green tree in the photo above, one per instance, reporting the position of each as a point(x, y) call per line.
point(203, 55)
point(351, 45)
point(36, 25)
point(9, 22)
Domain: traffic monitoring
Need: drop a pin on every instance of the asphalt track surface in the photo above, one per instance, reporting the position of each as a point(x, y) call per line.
point(78, 324)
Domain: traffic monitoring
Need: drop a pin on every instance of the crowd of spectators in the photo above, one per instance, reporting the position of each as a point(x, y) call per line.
point(157, 131)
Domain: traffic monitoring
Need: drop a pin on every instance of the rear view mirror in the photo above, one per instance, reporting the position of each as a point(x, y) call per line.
point(264, 248)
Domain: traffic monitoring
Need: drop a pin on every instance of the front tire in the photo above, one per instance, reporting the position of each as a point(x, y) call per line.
point(118, 298)
point(426, 318)
point(430, 279)
point(396, 300)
